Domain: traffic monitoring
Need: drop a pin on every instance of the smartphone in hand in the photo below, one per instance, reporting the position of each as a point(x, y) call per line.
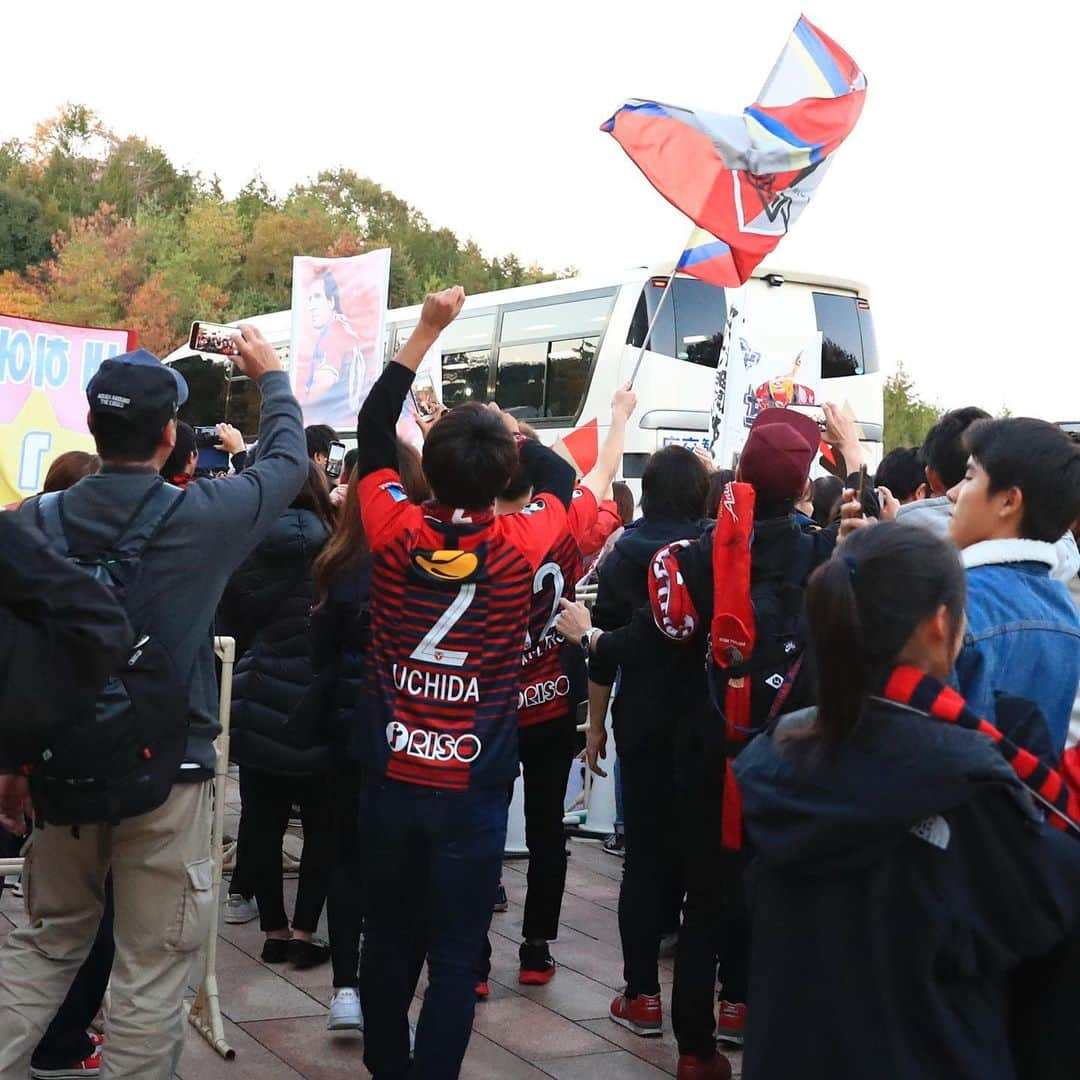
point(868, 496)
point(424, 398)
point(214, 338)
point(335, 459)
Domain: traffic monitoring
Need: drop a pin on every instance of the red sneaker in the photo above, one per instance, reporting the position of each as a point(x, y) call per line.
point(731, 1022)
point(537, 967)
point(483, 991)
point(642, 1015)
point(90, 1067)
point(691, 1067)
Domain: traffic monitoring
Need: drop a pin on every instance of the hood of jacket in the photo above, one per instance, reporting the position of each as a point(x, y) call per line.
point(641, 541)
point(297, 536)
point(815, 810)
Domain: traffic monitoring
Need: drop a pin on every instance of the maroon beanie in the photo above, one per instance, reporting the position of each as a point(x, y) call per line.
point(779, 452)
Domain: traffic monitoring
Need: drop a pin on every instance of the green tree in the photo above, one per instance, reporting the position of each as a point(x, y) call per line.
point(907, 417)
point(137, 174)
point(254, 199)
point(24, 235)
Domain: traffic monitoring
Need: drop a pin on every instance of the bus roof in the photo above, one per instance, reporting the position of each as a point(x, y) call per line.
point(277, 325)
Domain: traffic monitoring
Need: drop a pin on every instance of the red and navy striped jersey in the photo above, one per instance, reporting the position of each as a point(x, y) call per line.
point(450, 595)
point(553, 676)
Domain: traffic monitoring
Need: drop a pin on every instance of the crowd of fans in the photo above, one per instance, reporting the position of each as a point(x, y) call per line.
point(844, 711)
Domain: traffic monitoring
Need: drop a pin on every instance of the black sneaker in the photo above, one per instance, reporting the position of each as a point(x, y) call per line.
point(613, 845)
point(308, 954)
point(537, 967)
point(275, 950)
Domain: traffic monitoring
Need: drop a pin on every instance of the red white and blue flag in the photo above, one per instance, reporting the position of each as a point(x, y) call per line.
point(709, 259)
point(745, 179)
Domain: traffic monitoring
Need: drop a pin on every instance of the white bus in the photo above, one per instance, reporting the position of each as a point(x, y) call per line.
point(554, 353)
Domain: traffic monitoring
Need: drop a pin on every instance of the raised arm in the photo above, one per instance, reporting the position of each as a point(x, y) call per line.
point(598, 479)
point(376, 426)
point(246, 505)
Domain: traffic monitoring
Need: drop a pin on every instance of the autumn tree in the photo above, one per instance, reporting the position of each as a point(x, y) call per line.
point(105, 230)
point(96, 270)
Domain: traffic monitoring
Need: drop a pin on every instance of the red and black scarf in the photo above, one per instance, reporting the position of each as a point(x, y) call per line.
point(912, 687)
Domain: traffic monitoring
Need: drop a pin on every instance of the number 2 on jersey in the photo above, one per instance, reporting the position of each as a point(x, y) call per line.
point(553, 571)
point(429, 650)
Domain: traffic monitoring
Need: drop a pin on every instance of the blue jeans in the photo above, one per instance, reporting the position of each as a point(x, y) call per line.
point(433, 859)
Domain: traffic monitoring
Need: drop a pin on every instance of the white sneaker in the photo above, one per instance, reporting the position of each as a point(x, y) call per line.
point(239, 910)
point(345, 1014)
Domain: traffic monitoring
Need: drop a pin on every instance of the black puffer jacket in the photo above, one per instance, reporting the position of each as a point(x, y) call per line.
point(267, 608)
point(650, 694)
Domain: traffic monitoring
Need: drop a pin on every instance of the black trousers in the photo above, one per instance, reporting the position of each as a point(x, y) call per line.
point(716, 925)
point(266, 803)
point(652, 876)
point(345, 900)
point(546, 753)
point(65, 1042)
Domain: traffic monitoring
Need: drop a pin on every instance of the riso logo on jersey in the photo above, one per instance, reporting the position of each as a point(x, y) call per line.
point(448, 565)
point(438, 746)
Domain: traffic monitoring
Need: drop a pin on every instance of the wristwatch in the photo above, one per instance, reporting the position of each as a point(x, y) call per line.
point(586, 640)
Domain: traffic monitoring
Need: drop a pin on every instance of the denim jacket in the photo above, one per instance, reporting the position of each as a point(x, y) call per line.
point(1023, 633)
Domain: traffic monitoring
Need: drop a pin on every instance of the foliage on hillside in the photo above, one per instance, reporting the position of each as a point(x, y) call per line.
point(104, 230)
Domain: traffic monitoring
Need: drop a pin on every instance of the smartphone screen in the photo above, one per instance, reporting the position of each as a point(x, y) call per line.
point(423, 395)
point(214, 338)
point(335, 458)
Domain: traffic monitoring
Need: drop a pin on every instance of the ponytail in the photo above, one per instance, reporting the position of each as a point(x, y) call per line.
point(845, 671)
point(862, 607)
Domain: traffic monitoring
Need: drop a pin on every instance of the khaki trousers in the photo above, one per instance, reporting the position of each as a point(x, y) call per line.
point(162, 890)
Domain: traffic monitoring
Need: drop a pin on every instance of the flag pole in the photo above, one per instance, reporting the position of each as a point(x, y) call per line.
point(652, 326)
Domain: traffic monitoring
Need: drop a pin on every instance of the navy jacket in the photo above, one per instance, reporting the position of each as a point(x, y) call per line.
point(267, 607)
point(897, 881)
point(647, 693)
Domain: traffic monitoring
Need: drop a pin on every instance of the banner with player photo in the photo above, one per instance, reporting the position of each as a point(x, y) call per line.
point(44, 369)
point(749, 379)
point(338, 315)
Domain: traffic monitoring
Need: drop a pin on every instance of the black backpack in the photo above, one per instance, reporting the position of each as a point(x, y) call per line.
point(121, 758)
point(780, 644)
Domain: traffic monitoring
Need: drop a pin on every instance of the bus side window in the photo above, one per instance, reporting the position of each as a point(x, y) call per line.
point(691, 322)
point(843, 348)
point(700, 315)
point(466, 346)
point(663, 335)
point(546, 354)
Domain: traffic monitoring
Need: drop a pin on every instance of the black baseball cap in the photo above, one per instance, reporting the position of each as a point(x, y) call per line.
point(137, 387)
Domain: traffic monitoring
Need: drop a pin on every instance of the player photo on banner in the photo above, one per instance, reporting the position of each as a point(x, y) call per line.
point(750, 378)
point(338, 311)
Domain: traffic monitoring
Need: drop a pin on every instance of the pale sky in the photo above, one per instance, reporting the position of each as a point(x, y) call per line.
point(486, 116)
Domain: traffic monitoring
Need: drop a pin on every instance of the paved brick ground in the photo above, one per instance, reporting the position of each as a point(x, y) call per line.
point(276, 1017)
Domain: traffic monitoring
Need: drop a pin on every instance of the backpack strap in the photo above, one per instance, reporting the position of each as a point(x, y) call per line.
point(50, 520)
point(158, 505)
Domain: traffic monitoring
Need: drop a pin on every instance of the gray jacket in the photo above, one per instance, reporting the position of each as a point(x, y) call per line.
point(189, 561)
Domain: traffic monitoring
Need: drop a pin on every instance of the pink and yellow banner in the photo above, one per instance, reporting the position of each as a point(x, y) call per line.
point(44, 369)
